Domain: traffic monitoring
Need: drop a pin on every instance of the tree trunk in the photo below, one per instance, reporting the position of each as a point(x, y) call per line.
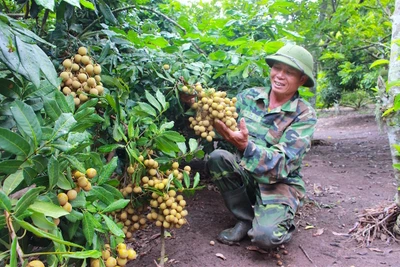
point(393, 120)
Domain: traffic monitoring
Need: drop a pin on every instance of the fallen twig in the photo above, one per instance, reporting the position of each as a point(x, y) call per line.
point(305, 253)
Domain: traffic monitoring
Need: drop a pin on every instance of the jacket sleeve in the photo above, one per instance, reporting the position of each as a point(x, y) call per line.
point(284, 159)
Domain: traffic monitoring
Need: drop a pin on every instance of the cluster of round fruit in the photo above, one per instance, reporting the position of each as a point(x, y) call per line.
point(210, 106)
point(168, 210)
point(81, 77)
point(81, 181)
point(123, 255)
point(168, 207)
point(132, 218)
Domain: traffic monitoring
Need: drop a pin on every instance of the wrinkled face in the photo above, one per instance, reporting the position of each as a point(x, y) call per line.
point(285, 80)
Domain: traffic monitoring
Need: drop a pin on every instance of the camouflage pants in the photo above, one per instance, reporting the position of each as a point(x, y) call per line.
point(273, 223)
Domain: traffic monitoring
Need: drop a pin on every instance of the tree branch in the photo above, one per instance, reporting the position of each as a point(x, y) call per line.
point(44, 19)
point(5, 6)
point(13, 235)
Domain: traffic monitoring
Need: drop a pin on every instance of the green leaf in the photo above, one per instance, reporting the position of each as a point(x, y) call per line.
point(49, 4)
point(26, 120)
point(64, 183)
point(83, 254)
point(87, 4)
point(113, 227)
point(107, 13)
point(5, 202)
point(35, 62)
point(186, 179)
point(13, 253)
point(152, 101)
point(147, 109)
point(102, 194)
point(40, 233)
point(76, 164)
point(196, 180)
point(73, 3)
point(161, 99)
point(107, 171)
point(379, 62)
point(193, 144)
point(14, 143)
point(182, 147)
point(27, 199)
point(40, 220)
point(174, 136)
point(62, 102)
point(12, 181)
point(51, 107)
point(218, 55)
point(119, 204)
point(53, 170)
point(63, 125)
point(109, 148)
point(88, 227)
point(48, 209)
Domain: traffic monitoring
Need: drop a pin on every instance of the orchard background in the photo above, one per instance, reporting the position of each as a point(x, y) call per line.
point(77, 166)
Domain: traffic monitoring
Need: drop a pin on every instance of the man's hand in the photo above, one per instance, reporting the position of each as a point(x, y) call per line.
point(237, 138)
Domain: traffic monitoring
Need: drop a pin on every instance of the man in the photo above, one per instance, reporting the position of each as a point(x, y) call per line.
point(262, 185)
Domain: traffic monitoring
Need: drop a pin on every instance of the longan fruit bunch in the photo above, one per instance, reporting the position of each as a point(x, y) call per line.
point(81, 77)
point(132, 219)
point(119, 257)
point(168, 210)
point(82, 182)
point(210, 106)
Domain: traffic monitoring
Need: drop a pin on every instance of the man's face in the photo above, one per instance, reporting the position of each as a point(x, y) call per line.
point(285, 80)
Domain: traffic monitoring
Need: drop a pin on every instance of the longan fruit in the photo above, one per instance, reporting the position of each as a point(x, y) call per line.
point(77, 101)
point(82, 51)
point(66, 90)
point(175, 165)
point(62, 198)
point(77, 58)
point(72, 194)
point(35, 263)
point(64, 75)
point(85, 60)
point(91, 172)
point(111, 262)
point(131, 254)
point(89, 69)
point(123, 253)
point(67, 207)
point(94, 91)
point(74, 67)
point(82, 77)
point(97, 69)
point(91, 82)
point(83, 181)
point(105, 254)
point(87, 187)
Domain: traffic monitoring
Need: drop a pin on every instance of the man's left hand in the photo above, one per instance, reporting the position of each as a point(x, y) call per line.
point(237, 138)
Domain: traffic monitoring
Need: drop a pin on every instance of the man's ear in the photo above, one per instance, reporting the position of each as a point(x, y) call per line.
point(303, 79)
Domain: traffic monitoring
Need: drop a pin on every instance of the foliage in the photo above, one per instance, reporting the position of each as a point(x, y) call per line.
point(356, 99)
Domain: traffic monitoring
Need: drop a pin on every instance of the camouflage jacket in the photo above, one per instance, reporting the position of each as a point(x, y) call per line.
point(278, 141)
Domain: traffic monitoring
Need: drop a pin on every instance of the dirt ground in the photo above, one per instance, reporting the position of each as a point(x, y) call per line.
point(348, 171)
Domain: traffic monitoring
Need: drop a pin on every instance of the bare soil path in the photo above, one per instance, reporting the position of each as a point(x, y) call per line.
point(347, 172)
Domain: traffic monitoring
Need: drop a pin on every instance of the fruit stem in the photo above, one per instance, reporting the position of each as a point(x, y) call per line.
point(162, 246)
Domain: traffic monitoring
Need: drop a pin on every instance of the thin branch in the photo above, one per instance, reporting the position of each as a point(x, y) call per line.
point(13, 235)
point(44, 19)
point(5, 6)
point(305, 253)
